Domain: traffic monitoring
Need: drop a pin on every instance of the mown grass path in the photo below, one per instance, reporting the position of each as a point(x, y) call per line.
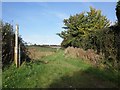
point(58, 72)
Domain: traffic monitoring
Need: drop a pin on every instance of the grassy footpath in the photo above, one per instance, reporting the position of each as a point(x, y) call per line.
point(57, 72)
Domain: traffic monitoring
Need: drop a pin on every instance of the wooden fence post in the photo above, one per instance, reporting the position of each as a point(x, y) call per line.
point(16, 45)
point(19, 55)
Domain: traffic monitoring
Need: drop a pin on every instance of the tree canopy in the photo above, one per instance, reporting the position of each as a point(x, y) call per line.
point(79, 27)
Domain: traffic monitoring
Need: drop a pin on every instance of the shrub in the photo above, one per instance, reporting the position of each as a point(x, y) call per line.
point(8, 44)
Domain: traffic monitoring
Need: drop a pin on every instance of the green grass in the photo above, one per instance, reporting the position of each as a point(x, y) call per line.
point(58, 72)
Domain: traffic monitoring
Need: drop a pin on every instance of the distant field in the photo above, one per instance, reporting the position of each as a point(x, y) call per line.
point(58, 71)
point(37, 53)
point(44, 49)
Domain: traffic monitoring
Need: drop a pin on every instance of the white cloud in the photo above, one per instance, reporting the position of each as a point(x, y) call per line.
point(61, 15)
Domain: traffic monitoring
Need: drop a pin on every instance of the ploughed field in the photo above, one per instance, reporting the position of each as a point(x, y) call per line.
point(50, 68)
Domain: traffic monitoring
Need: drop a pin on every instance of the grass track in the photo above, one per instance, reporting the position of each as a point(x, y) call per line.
point(59, 72)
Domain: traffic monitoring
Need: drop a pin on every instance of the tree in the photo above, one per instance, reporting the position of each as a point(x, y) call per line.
point(79, 28)
point(117, 31)
point(118, 10)
point(8, 44)
point(92, 30)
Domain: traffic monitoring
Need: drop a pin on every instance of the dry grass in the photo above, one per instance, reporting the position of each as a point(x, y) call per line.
point(89, 55)
point(36, 54)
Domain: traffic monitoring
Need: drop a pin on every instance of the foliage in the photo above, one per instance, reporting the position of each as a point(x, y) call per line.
point(117, 31)
point(118, 10)
point(92, 30)
point(106, 44)
point(8, 44)
point(81, 26)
